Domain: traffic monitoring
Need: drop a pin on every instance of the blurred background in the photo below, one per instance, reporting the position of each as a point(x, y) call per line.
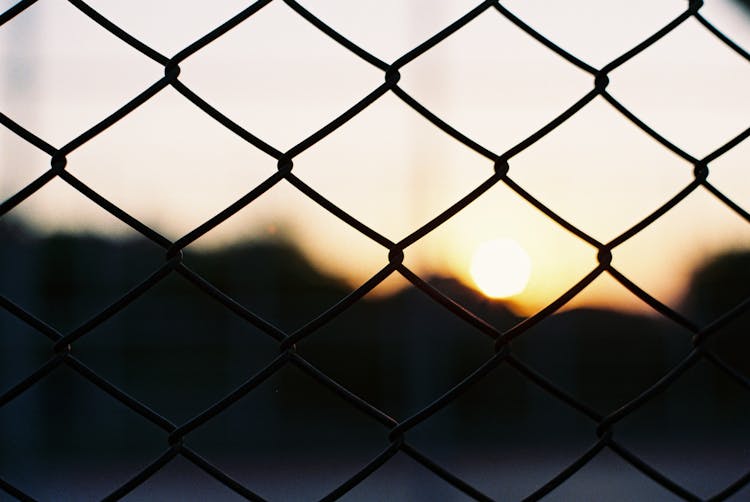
point(64, 259)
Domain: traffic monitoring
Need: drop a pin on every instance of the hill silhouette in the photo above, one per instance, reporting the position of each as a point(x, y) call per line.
point(178, 351)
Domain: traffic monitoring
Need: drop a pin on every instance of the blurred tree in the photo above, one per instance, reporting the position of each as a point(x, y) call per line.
point(745, 4)
point(718, 286)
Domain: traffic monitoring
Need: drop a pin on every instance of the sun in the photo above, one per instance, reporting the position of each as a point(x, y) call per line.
point(500, 268)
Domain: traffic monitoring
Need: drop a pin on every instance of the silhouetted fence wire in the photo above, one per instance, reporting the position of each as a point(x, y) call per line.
point(500, 170)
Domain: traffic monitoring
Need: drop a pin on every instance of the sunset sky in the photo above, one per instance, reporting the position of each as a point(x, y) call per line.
point(173, 167)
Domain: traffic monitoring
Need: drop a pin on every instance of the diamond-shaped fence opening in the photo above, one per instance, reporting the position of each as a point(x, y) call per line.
point(255, 376)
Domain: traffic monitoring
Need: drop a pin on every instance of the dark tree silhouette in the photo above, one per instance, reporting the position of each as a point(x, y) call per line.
point(721, 283)
point(717, 287)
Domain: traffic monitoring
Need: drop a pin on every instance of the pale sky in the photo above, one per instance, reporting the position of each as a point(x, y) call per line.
point(173, 167)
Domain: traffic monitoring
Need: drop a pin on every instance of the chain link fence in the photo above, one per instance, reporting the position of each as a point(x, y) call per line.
point(500, 169)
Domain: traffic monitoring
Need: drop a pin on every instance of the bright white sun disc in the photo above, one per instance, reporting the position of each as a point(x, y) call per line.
point(500, 268)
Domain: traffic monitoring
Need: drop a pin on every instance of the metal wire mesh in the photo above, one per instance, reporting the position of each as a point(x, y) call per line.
point(500, 168)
